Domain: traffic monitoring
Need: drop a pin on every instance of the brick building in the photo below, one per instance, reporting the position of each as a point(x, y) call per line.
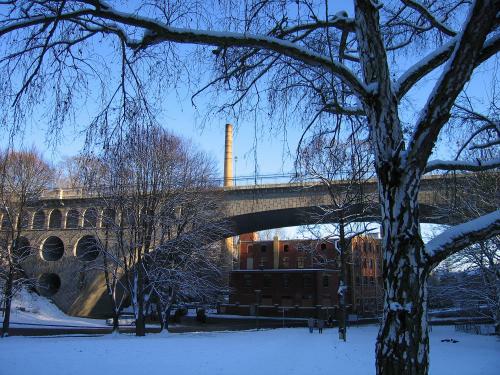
point(300, 278)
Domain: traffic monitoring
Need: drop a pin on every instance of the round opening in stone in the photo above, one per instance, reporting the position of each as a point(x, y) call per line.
point(48, 284)
point(87, 248)
point(52, 249)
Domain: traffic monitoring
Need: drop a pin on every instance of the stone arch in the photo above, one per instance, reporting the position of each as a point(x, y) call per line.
point(72, 219)
point(52, 249)
point(48, 284)
point(90, 218)
point(6, 222)
point(87, 248)
point(25, 220)
point(55, 219)
point(39, 220)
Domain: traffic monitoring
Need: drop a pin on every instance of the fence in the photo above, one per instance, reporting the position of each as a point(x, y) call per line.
point(476, 329)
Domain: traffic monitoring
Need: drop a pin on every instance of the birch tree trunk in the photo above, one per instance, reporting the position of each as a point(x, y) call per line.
point(403, 342)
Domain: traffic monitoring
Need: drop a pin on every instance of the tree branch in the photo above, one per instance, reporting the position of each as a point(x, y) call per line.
point(435, 59)
point(424, 11)
point(157, 32)
point(455, 75)
point(462, 165)
point(460, 236)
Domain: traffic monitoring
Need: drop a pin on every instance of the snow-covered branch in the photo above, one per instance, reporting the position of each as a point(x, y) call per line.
point(157, 32)
point(460, 236)
point(425, 12)
point(455, 75)
point(462, 165)
point(437, 57)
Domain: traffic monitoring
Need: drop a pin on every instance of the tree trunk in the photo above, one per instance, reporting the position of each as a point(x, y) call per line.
point(111, 287)
point(403, 342)
point(140, 326)
point(8, 302)
point(342, 284)
point(497, 308)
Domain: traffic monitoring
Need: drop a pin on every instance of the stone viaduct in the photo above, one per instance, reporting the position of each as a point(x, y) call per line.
point(63, 225)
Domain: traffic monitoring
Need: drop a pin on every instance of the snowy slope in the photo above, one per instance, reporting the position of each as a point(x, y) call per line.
point(39, 310)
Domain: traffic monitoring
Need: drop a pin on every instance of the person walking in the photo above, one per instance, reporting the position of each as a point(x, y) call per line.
point(310, 324)
point(321, 325)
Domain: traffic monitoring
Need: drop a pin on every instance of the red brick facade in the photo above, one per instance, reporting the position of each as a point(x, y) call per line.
point(302, 277)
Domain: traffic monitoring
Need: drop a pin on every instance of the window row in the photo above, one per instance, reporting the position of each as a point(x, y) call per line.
point(73, 219)
point(86, 249)
point(307, 281)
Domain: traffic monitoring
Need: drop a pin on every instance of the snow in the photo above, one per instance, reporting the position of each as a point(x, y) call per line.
point(282, 351)
point(41, 311)
point(454, 234)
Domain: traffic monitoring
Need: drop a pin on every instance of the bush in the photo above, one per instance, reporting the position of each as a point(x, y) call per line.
point(179, 313)
point(201, 315)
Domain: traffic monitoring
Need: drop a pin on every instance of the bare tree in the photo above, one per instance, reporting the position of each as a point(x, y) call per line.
point(24, 176)
point(160, 187)
point(470, 282)
point(301, 58)
point(343, 168)
point(474, 272)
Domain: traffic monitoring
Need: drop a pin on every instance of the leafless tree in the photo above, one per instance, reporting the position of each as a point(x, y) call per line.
point(343, 168)
point(24, 176)
point(160, 188)
point(470, 281)
point(81, 171)
point(302, 58)
point(474, 271)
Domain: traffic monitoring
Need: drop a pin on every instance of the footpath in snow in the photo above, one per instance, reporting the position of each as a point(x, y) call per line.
point(292, 351)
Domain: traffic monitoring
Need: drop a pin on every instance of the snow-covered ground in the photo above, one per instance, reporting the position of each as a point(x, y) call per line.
point(32, 309)
point(281, 351)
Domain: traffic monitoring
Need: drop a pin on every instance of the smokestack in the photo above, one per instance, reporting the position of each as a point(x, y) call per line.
point(229, 181)
point(228, 157)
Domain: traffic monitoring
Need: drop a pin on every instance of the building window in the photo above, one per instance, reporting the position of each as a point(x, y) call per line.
point(286, 301)
point(247, 280)
point(268, 281)
point(249, 249)
point(326, 281)
point(263, 248)
point(262, 263)
point(372, 281)
point(300, 262)
point(286, 281)
point(285, 248)
point(286, 262)
point(323, 246)
point(371, 264)
point(307, 281)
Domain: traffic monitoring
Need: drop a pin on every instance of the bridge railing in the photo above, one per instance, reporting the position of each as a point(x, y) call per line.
point(276, 178)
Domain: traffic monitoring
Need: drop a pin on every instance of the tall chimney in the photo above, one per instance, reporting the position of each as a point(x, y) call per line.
point(228, 157)
point(229, 181)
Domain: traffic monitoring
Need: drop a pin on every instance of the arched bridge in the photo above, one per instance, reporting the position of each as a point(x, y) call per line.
point(64, 222)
